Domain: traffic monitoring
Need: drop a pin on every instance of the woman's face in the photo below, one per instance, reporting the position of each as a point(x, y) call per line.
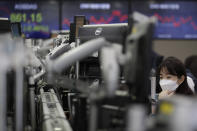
point(164, 74)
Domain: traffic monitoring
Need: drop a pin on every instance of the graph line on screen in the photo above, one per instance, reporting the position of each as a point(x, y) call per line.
point(177, 23)
point(4, 10)
point(101, 20)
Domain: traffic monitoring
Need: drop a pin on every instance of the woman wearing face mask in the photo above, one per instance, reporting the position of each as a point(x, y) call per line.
point(173, 78)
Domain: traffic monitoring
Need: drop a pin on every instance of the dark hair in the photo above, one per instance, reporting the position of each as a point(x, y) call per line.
point(191, 64)
point(175, 67)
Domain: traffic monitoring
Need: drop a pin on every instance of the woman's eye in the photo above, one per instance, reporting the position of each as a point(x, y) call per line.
point(161, 78)
point(168, 77)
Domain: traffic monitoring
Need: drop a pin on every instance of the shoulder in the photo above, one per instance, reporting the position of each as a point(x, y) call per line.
point(190, 83)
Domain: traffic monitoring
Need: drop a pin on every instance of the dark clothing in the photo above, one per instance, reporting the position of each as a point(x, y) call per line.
point(193, 78)
point(156, 59)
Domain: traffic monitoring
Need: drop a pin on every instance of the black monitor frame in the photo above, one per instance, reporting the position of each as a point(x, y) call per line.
point(114, 33)
point(137, 68)
point(5, 25)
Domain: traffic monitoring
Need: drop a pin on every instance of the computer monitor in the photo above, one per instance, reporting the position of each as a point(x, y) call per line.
point(38, 19)
point(16, 29)
point(177, 19)
point(5, 25)
point(114, 33)
point(137, 68)
point(79, 20)
point(96, 12)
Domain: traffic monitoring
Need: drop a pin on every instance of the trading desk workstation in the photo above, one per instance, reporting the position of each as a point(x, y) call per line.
point(92, 75)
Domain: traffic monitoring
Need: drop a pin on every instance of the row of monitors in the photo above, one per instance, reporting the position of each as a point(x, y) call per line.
point(176, 19)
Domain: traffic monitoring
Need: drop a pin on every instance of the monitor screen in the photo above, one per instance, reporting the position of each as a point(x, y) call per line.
point(176, 19)
point(16, 29)
point(37, 19)
point(102, 12)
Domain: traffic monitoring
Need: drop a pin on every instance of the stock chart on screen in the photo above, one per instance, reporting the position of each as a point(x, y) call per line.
point(95, 12)
point(176, 20)
point(37, 18)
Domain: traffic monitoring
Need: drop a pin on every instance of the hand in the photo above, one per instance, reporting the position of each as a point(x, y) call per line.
point(165, 94)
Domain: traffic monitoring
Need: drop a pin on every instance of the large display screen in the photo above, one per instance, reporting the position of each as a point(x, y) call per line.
point(37, 19)
point(102, 12)
point(176, 20)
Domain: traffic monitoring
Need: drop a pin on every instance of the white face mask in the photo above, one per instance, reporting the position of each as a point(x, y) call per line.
point(168, 85)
